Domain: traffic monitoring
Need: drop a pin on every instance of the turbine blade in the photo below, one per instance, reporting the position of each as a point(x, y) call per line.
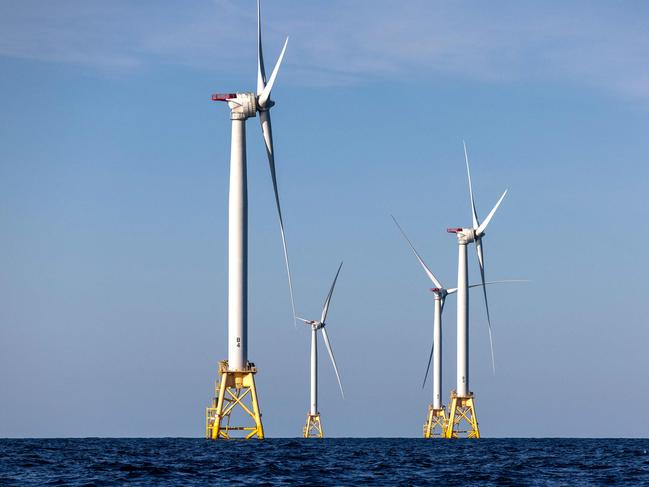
point(325, 307)
point(423, 265)
point(261, 73)
point(503, 281)
point(432, 347)
point(430, 359)
point(478, 249)
point(483, 226)
point(474, 213)
point(308, 322)
point(453, 290)
point(267, 131)
point(265, 94)
point(486, 302)
point(333, 360)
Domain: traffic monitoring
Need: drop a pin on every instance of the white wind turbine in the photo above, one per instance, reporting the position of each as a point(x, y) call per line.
point(313, 426)
point(243, 106)
point(463, 397)
point(237, 375)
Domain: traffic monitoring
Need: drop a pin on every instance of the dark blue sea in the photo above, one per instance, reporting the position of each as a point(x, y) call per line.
point(343, 461)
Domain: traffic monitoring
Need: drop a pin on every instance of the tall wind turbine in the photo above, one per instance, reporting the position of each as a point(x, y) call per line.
point(436, 422)
point(237, 373)
point(462, 404)
point(313, 427)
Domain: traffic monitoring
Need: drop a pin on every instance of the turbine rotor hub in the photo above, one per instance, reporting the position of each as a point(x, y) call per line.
point(269, 104)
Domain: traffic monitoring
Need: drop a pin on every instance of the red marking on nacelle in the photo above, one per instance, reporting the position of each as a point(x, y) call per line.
point(223, 96)
point(435, 289)
point(453, 230)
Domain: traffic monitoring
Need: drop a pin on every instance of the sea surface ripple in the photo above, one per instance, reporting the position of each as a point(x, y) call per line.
point(336, 461)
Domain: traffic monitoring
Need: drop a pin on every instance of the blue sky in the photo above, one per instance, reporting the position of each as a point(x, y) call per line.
point(113, 194)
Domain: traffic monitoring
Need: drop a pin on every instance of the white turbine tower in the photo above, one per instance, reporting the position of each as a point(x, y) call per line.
point(313, 427)
point(462, 404)
point(237, 373)
point(435, 426)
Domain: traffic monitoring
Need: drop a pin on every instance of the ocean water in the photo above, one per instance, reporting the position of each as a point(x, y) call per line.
point(338, 461)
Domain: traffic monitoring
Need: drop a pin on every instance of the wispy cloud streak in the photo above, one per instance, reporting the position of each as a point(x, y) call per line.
point(595, 44)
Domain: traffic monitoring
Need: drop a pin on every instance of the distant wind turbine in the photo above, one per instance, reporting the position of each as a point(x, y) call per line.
point(313, 427)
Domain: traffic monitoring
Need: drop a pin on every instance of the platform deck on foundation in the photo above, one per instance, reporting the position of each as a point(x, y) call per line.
point(313, 427)
point(435, 425)
point(234, 392)
point(462, 419)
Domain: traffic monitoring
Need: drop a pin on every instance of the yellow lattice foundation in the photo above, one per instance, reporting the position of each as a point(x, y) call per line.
point(313, 427)
point(235, 392)
point(462, 420)
point(435, 425)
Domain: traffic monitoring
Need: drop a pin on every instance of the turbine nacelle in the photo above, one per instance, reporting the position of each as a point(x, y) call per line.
point(314, 324)
point(440, 293)
point(242, 105)
point(465, 235)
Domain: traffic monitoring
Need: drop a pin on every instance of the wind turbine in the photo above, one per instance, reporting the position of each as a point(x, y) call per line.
point(237, 373)
point(462, 404)
point(313, 427)
point(435, 426)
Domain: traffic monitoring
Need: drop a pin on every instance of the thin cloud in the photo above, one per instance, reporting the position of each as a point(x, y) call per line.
point(601, 45)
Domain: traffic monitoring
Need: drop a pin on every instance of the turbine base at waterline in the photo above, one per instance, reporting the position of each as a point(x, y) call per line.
point(313, 426)
point(235, 401)
point(436, 423)
point(462, 419)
